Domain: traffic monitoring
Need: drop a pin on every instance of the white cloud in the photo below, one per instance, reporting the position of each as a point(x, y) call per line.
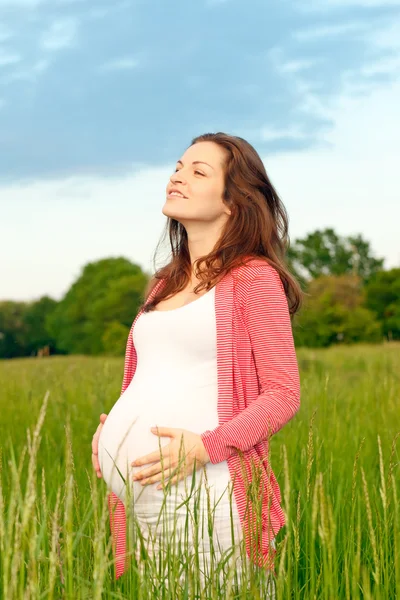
point(295, 66)
point(364, 3)
point(329, 5)
point(103, 11)
point(380, 67)
point(216, 2)
point(125, 63)
point(65, 223)
point(61, 34)
point(324, 31)
point(30, 73)
point(349, 182)
point(20, 3)
point(36, 3)
point(303, 91)
point(388, 36)
point(98, 13)
point(383, 56)
point(7, 58)
point(269, 134)
point(5, 33)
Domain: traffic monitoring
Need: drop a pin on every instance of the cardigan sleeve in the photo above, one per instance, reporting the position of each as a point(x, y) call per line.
point(117, 517)
point(267, 319)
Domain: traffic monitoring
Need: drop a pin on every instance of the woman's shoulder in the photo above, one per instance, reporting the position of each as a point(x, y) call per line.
point(255, 267)
point(256, 280)
point(152, 283)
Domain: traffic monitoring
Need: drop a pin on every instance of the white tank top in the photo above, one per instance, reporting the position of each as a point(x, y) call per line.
point(175, 385)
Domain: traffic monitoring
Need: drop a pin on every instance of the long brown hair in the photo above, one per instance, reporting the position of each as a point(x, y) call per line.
point(256, 228)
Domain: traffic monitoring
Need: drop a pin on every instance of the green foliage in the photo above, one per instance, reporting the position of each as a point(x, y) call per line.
point(326, 253)
point(350, 298)
point(333, 312)
point(23, 327)
point(107, 291)
point(35, 318)
point(114, 339)
point(382, 296)
point(13, 330)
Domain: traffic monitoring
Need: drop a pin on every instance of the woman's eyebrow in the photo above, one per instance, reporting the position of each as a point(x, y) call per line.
point(197, 162)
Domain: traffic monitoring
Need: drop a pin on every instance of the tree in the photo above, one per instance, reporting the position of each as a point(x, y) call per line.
point(382, 296)
point(13, 329)
point(114, 338)
point(326, 253)
point(333, 312)
point(108, 291)
point(35, 317)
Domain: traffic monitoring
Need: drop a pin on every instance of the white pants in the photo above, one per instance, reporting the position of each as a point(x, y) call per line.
point(180, 530)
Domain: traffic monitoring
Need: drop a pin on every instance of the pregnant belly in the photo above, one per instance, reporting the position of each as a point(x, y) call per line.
point(126, 436)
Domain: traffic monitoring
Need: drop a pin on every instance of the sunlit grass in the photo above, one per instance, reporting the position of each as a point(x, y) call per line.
point(337, 464)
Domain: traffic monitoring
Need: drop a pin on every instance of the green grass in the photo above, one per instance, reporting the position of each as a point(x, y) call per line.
point(337, 463)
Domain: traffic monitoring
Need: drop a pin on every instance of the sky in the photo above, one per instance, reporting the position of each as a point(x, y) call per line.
point(98, 100)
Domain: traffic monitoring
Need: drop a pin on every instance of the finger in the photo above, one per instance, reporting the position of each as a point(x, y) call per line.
point(154, 470)
point(95, 440)
point(98, 471)
point(172, 472)
point(99, 428)
point(164, 431)
point(148, 458)
point(95, 462)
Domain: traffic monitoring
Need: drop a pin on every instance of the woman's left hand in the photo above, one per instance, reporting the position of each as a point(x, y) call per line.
point(192, 449)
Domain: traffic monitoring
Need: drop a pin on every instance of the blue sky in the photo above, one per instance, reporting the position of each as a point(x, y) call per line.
point(99, 99)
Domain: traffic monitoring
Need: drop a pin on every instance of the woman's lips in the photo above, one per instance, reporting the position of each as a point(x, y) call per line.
point(175, 195)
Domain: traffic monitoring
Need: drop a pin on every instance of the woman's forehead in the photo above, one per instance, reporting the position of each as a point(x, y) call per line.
point(208, 152)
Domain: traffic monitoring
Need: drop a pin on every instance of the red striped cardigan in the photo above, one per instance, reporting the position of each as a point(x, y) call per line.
point(258, 392)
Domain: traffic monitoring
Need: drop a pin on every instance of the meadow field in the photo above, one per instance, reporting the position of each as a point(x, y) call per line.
point(337, 464)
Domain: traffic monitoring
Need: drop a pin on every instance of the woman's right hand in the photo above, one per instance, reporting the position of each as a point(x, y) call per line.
point(95, 445)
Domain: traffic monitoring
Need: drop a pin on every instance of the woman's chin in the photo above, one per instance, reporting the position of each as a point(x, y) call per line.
point(168, 211)
point(172, 207)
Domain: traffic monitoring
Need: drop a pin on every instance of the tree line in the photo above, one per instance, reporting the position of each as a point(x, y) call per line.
point(349, 297)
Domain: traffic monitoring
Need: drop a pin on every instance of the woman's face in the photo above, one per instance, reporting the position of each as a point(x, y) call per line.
point(195, 189)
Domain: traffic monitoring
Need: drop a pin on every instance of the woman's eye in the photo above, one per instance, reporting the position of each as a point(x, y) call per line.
point(196, 172)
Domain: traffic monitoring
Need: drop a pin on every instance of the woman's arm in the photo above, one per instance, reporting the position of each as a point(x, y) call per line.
point(268, 323)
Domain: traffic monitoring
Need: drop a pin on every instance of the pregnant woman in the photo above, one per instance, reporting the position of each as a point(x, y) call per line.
point(210, 368)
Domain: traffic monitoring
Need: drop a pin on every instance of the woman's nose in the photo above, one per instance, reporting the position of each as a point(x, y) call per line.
point(177, 177)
